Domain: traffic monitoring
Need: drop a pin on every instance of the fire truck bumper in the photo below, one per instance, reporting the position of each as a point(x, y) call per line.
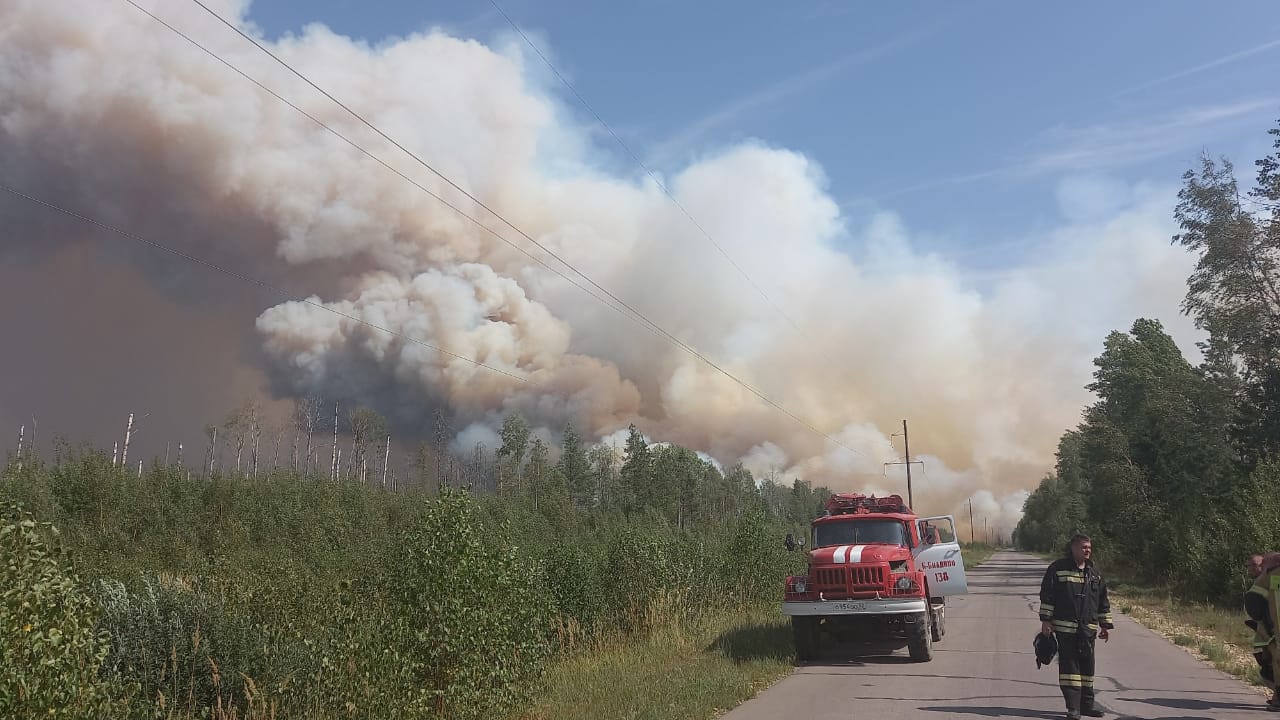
point(854, 607)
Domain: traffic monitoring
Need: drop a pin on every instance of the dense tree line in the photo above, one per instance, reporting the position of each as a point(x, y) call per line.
point(671, 482)
point(675, 483)
point(1176, 467)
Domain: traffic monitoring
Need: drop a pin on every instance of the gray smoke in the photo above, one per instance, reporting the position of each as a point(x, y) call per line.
point(107, 112)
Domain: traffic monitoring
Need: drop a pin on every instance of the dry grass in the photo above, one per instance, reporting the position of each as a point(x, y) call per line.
point(975, 554)
point(1213, 634)
point(698, 668)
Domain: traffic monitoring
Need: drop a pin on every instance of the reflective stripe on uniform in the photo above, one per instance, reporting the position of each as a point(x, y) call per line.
point(1070, 680)
point(1070, 626)
point(1075, 576)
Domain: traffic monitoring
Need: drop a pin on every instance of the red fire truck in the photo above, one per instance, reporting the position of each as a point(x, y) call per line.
point(876, 571)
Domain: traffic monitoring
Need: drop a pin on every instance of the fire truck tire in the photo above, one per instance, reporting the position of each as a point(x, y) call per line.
point(805, 631)
point(938, 627)
point(920, 642)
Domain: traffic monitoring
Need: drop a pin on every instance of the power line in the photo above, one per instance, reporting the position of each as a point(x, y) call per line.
point(635, 315)
point(416, 158)
point(643, 166)
point(368, 154)
point(245, 278)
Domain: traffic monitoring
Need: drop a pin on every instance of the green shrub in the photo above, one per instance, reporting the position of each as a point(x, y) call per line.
point(50, 653)
point(471, 616)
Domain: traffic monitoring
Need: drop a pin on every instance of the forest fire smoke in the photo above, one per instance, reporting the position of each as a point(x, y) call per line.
point(109, 113)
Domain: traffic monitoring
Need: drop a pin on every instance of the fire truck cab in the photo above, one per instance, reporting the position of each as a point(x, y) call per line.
point(876, 571)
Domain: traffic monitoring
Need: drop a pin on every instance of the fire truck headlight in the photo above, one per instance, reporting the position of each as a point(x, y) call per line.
point(800, 585)
point(905, 584)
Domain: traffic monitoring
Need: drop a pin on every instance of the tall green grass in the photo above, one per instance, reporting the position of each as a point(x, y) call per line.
point(288, 597)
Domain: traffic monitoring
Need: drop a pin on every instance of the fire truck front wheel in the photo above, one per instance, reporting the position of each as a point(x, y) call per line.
point(920, 638)
point(805, 630)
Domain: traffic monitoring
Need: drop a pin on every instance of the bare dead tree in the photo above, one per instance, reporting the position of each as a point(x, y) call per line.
point(128, 435)
point(255, 432)
point(239, 441)
point(180, 455)
point(386, 458)
point(115, 453)
point(275, 456)
point(21, 430)
point(366, 426)
point(245, 428)
point(306, 418)
point(354, 456)
point(212, 454)
point(334, 466)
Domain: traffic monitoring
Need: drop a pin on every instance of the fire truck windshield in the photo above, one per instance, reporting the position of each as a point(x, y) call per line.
point(860, 532)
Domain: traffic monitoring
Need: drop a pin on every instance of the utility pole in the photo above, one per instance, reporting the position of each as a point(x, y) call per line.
point(908, 462)
point(906, 449)
point(970, 521)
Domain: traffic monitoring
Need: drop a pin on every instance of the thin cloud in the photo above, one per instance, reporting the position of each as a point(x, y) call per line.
point(1107, 146)
point(1224, 60)
point(943, 182)
point(1112, 145)
point(775, 93)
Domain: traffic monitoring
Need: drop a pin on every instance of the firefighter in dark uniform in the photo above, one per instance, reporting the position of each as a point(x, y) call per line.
point(1074, 607)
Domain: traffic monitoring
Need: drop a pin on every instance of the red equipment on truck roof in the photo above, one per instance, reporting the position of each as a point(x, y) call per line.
point(845, 503)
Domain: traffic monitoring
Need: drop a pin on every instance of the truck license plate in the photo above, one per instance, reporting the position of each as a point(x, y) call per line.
point(851, 606)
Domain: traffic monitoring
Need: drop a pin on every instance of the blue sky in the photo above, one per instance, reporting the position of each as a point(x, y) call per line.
point(967, 119)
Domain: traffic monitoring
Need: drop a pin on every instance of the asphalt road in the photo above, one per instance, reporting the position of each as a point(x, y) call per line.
point(985, 668)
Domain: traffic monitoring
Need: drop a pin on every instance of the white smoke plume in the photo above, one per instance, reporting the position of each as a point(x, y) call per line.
point(113, 115)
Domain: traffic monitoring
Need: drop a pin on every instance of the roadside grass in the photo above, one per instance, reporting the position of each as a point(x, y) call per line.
point(692, 668)
point(1212, 633)
point(975, 554)
point(698, 668)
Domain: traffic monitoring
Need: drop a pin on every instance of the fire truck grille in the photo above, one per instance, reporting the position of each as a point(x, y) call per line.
point(867, 577)
point(853, 578)
point(831, 578)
